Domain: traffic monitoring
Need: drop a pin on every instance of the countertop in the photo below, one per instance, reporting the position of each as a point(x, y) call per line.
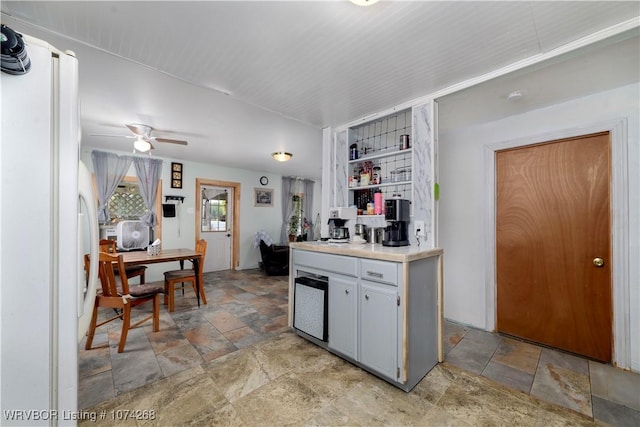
point(368, 250)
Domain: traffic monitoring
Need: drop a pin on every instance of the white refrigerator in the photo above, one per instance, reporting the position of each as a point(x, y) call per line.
point(47, 222)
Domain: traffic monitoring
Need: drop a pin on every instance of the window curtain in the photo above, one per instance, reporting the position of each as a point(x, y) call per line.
point(110, 169)
point(287, 204)
point(149, 172)
point(307, 207)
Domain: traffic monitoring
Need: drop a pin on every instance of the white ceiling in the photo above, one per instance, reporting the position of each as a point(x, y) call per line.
point(242, 79)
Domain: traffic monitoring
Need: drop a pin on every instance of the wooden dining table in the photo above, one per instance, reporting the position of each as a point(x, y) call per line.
point(166, 255)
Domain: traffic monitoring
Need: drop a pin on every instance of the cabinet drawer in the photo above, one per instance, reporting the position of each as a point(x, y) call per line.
point(334, 263)
point(379, 271)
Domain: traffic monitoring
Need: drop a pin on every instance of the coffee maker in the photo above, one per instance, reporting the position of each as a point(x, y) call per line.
point(339, 230)
point(397, 216)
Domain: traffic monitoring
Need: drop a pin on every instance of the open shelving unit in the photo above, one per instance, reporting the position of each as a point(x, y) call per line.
point(378, 145)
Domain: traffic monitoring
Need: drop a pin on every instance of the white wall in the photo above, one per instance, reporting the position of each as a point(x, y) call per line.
point(462, 230)
point(180, 232)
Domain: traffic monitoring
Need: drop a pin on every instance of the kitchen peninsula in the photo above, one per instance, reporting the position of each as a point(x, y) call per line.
point(378, 307)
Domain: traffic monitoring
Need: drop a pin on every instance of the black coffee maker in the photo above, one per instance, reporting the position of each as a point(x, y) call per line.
point(397, 216)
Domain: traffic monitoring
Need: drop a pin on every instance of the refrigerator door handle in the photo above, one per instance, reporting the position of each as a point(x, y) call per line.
point(86, 299)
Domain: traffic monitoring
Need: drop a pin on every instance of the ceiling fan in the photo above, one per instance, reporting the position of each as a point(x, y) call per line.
point(143, 139)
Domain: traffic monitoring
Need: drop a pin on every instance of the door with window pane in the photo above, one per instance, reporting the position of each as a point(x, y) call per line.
point(216, 215)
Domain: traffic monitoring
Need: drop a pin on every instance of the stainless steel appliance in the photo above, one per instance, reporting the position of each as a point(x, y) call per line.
point(310, 306)
point(397, 216)
point(361, 231)
point(375, 235)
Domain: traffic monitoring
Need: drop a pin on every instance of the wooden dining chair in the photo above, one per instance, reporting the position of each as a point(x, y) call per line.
point(186, 275)
point(109, 246)
point(122, 298)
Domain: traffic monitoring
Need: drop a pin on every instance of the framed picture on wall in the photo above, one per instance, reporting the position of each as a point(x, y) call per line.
point(176, 175)
point(263, 197)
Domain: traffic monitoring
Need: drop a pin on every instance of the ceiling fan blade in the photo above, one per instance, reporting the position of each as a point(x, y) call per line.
point(171, 141)
point(111, 135)
point(139, 129)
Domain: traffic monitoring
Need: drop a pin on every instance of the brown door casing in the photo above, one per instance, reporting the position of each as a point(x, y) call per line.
point(553, 221)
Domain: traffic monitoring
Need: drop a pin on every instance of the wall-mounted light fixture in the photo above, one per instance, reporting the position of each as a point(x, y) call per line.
point(281, 156)
point(363, 2)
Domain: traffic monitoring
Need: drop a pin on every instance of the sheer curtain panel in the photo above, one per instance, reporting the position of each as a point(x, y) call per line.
point(110, 169)
point(149, 172)
point(287, 183)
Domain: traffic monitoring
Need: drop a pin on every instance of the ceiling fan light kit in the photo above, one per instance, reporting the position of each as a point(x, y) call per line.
point(141, 145)
point(281, 156)
point(143, 139)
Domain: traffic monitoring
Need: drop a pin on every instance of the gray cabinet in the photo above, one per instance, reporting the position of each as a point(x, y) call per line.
point(379, 328)
point(382, 314)
point(343, 315)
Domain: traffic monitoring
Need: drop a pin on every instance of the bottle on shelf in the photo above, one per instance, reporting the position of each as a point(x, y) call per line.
point(353, 152)
point(370, 208)
point(378, 203)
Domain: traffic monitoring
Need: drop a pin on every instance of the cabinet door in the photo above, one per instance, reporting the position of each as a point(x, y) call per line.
point(379, 327)
point(343, 315)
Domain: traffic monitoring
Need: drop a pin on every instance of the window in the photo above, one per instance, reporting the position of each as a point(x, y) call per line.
point(126, 203)
point(214, 209)
point(296, 224)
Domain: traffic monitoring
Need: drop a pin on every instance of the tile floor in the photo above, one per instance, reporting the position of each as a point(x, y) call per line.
point(235, 362)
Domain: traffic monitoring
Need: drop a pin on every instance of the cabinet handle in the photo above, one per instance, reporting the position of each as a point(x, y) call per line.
point(374, 274)
point(366, 296)
point(346, 291)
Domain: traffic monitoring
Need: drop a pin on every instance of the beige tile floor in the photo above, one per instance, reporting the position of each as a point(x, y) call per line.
point(235, 362)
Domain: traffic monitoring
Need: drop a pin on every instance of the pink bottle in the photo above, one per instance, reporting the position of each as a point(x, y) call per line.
point(377, 202)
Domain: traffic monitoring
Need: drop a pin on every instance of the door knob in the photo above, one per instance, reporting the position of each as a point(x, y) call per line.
point(598, 262)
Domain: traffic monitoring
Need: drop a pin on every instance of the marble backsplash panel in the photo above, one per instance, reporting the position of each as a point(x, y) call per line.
point(423, 168)
point(341, 197)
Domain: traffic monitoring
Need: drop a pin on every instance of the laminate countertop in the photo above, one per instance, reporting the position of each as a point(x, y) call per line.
point(371, 251)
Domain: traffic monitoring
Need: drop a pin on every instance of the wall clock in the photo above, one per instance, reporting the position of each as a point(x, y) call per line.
point(264, 180)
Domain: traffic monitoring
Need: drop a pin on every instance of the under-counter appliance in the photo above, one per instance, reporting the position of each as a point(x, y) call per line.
point(397, 216)
point(310, 307)
point(48, 221)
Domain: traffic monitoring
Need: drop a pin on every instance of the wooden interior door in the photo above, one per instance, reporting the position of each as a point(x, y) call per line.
point(553, 224)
